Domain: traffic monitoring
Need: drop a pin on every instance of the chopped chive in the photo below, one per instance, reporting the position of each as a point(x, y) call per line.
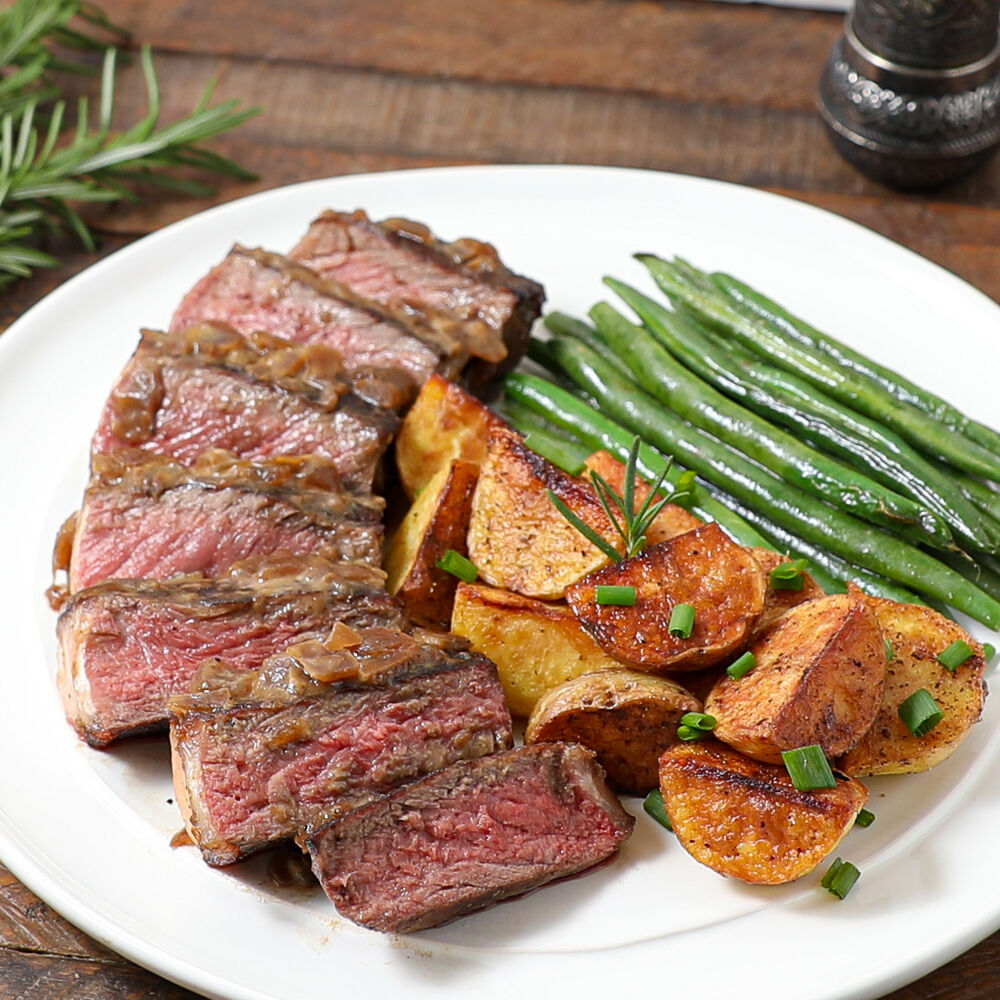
point(455, 563)
point(700, 721)
point(840, 878)
point(921, 712)
point(620, 596)
point(955, 655)
point(788, 575)
point(691, 734)
point(989, 651)
point(681, 621)
point(808, 768)
point(565, 455)
point(889, 651)
point(742, 665)
point(653, 804)
point(864, 818)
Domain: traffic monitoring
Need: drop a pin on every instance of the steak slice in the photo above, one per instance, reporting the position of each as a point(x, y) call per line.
point(147, 516)
point(462, 290)
point(256, 290)
point(126, 646)
point(322, 729)
point(258, 397)
point(468, 836)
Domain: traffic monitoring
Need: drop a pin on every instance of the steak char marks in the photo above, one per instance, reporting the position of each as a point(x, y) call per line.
point(460, 293)
point(258, 397)
point(384, 357)
point(146, 516)
point(126, 646)
point(468, 836)
point(322, 729)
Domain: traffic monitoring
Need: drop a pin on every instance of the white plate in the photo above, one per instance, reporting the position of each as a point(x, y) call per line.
point(89, 831)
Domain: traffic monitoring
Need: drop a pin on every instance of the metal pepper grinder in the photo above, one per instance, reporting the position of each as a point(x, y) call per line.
point(911, 91)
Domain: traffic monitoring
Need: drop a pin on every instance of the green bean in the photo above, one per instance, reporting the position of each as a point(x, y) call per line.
point(754, 303)
point(569, 326)
point(794, 403)
point(688, 287)
point(817, 557)
point(595, 430)
point(807, 517)
point(658, 372)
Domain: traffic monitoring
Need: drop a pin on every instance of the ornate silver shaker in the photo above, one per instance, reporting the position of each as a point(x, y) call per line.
point(911, 91)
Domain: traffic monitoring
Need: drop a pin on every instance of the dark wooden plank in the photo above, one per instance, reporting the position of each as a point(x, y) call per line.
point(670, 49)
point(29, 976)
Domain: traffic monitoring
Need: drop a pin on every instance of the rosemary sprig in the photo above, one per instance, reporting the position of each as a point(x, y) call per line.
point(46, 168)
point(629, 522)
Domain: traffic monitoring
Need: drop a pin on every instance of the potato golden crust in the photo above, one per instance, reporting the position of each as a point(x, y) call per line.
point(627, 718)
point(777, 602)
point(917, 635)
point(445, 422)
point(704, 568)
point(517, 538)
point(819, 678)
point(436, 522)
point(671, 521)
point(746, 819)
point(535, 645)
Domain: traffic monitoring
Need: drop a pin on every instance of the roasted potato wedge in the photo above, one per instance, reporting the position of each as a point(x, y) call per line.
point(917, 635)
point(671, 521)
point(627, 718)
point(746, 819)
point(704, 568)
point(437, 521)
point(444, 423)
point(819, 678)
point(536, 646)
point(517, 538)
point(777, 602)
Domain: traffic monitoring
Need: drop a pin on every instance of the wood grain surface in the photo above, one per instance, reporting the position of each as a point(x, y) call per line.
point(717, 90)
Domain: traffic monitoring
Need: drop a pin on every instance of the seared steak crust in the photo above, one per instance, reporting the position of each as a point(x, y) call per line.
point(147, 515)
point(126, 646)
point(258, 397)
point(469, 835)
point(461, 290)
point(279, 752)
point(254, 290)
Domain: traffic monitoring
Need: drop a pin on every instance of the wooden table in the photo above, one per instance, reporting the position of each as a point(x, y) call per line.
point(717, 90)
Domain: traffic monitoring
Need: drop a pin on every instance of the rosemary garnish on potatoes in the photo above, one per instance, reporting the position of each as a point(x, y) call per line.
point(629, 521)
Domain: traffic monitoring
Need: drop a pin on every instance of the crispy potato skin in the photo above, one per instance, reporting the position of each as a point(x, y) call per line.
point(672, 520)
point(819, 678)
point(703, 568)
point(627, 718)
point(746, 819)
point(444, 423)
point(777, 602)
point(436, 522)
point(917, 635)
point(535, 645)
point(517, 538)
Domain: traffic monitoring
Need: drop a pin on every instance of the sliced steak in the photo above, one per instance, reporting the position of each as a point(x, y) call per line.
point(256, 290)
point(462, 291)
point(258, 397)
point(322, 729)
point(128, 645)
point(147, 516)
point(468, 836)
